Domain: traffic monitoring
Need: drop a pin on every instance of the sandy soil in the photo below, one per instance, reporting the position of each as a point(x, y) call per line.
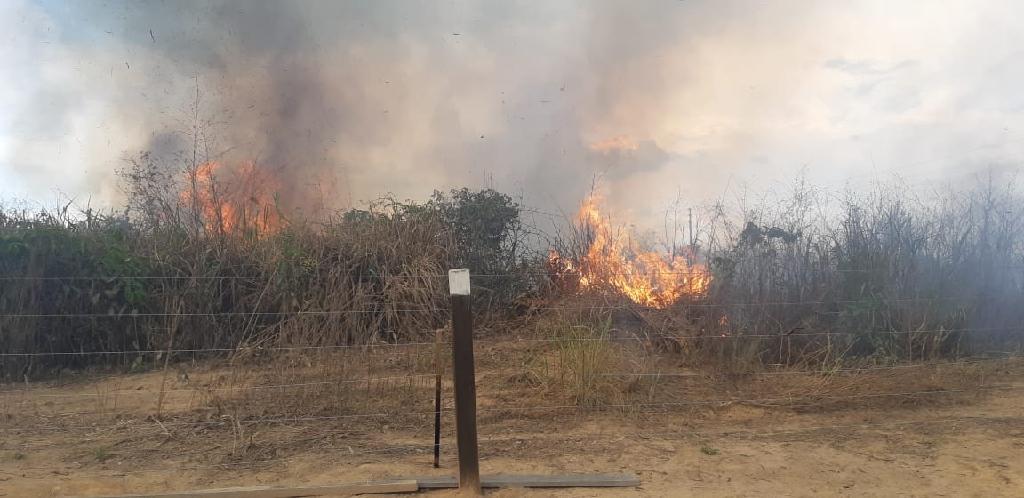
point(954, 444)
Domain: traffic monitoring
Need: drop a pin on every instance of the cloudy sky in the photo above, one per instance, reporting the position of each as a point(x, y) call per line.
point(654, 98)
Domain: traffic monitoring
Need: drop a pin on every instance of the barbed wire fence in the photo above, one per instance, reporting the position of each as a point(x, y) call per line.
point(342, 398)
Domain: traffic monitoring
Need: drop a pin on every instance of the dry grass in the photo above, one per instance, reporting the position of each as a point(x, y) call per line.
point(883, 278)
point(363, 277)
point(583, 360)
point(232, 414)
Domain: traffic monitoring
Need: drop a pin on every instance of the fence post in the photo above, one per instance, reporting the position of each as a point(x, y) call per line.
point(465, 381)
point(438, 372)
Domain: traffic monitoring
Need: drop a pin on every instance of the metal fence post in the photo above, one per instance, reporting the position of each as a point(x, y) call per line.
point(465, 381)
point(438, 372)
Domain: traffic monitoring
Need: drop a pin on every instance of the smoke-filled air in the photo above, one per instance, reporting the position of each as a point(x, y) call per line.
point(692, 229)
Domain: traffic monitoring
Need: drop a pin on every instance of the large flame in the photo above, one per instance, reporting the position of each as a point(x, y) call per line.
point(232, 199)
point(648, 278)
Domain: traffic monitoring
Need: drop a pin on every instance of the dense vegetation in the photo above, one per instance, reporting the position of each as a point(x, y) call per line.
point(115, 284)
point(889, 275)
point(880, 276)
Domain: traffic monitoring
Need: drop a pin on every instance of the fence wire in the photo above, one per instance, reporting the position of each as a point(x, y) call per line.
point(320, 425)
point(789, 401)
point(527, 340)
point(371, 276)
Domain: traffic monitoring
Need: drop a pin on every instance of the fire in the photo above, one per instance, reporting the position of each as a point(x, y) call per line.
point(648, 278)
point(617, 143)
point(230, 199)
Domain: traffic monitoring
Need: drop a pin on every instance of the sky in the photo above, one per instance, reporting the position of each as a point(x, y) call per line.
point(654, 100)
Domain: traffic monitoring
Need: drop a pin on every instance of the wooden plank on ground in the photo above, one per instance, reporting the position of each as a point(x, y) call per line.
point(442, 482)
point(538, 481)
point(397, 486)
point(561, 481)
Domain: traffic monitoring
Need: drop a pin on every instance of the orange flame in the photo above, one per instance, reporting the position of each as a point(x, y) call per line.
point(615, 144)
point(647, 278)
point(230, 199)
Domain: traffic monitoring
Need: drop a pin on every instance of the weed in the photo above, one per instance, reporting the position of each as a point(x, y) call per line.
point(585, 357)
point(102, 454)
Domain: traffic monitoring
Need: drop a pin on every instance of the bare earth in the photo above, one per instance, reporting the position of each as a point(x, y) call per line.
point(966, 445)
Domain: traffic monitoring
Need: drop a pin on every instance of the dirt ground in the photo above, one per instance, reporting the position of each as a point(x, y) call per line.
point(946, 440)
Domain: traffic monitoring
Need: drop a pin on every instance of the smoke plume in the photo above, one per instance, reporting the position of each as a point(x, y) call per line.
point(346, 101)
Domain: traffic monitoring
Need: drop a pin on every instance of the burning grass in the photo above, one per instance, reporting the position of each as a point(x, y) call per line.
point(215, 268)
point(233, 199)
point(602, 258)
point(315, 321)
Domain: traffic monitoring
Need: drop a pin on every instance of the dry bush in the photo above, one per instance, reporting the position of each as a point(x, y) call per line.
point(161, 282)
point(580, 359)
point(584, 357)
point(882, 276)
point(891, 276)
point(808, 279)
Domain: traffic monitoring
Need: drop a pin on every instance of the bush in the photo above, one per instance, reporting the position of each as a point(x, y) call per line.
point(889, 277)
point(139, 287)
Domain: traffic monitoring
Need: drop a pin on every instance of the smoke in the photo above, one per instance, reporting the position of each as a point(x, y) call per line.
point(352, 100)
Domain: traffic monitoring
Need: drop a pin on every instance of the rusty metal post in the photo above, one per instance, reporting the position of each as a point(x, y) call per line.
point(465, 381)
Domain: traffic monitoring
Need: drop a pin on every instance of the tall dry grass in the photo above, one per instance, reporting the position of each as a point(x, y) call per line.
point(879, 275)
point(882, 275)
point(139, 286)
point(891, 275)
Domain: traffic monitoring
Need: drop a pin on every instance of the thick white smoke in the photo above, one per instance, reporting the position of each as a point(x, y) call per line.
point(360, 99)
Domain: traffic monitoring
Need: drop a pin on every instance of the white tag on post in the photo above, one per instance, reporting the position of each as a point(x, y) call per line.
point(458, 282)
